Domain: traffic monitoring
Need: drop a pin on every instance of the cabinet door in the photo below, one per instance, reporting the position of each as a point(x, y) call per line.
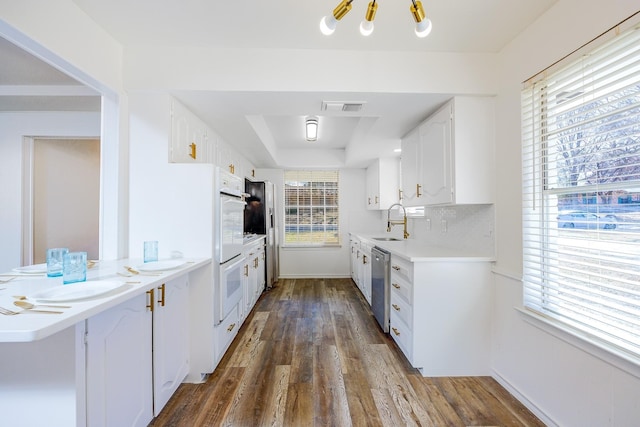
point(119, 365)
point(436, 149)
point(170, 339)
point(411, 182)
point(190, 141)
point(373, 186)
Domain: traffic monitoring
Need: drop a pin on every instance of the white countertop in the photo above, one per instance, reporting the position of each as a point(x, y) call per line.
point(419, 251)
point(35, 326)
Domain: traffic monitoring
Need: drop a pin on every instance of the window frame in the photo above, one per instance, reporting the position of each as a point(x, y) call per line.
point(541, 189)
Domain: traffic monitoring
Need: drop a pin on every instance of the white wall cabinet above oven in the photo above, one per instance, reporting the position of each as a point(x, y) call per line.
point(449, 158)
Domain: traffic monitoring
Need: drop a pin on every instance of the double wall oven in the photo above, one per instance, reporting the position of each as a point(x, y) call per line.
point(229, 230)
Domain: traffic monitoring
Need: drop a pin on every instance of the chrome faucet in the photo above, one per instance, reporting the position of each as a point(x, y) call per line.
point(391, 222)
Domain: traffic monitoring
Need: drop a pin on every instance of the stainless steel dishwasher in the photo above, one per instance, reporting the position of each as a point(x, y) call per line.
point(380, 277)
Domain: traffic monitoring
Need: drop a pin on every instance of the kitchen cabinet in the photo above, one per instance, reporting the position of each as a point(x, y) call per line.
point(449, 159)
point(440, 315)
point(119, 365)
point(191, 139)
point(137, 355)
point(410, 167)
point(254, 274)
point(383, 183)
point(170, 340)
point(361, 266)
point(355, 245)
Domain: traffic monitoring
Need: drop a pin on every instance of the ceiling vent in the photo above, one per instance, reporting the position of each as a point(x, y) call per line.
point(341, 106)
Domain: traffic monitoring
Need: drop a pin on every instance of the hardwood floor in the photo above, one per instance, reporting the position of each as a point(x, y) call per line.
point(311, 353)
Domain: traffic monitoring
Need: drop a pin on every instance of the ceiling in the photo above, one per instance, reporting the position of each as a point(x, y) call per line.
point(263, 118)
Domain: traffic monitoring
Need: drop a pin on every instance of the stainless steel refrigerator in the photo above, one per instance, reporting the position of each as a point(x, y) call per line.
point(260, 218)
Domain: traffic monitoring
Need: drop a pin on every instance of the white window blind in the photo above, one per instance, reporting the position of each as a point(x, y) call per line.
point(581, 194)
point(311, 207)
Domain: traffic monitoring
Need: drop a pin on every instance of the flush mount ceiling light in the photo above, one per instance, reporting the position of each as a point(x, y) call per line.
point(311, 128)
point(329, 22)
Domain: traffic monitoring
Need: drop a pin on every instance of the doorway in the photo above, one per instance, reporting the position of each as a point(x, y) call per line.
point(65, 196)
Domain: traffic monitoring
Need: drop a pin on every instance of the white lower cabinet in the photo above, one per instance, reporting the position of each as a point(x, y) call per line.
point(170, 339)
point(440, 315)
point(226, 331)
point(137, 355)
point(119, 365)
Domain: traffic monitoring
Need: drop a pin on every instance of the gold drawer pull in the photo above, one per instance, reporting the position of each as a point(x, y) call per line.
point(395, 285)
point(395, 307)
point(231, 326)
point(396, 267)
point(395, 331)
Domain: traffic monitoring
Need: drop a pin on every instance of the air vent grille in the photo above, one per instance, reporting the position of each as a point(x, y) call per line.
point(341, 106)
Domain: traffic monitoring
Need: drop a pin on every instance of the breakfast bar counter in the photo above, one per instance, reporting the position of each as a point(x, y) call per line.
point(115, 352)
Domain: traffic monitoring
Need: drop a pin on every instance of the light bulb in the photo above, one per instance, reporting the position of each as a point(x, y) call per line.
point(328, 25)
point(366, 27)
point(423, 28)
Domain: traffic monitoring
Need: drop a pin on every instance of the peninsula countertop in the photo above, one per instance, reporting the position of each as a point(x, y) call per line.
point(105, 274)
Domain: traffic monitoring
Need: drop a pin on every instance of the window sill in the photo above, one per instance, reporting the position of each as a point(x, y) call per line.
point(290, 247)
point(578, 339)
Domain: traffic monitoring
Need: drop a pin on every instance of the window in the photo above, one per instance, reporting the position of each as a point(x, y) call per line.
point(581, 194)
point(311, 208)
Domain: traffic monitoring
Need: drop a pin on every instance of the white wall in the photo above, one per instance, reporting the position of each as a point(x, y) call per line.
point(13, 126)
point(170, 202)
point(566, 382)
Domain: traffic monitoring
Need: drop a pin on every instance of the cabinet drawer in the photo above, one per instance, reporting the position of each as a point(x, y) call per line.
point(401, 287)
point(226, 331)
point(402, 335)
point(402, 268)
point(402, 309)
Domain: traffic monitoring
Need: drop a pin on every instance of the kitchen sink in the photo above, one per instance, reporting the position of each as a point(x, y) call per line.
point(387, 239)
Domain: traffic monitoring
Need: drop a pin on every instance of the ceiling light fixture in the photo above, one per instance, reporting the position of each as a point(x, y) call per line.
point(328, 23)
point(311, 127)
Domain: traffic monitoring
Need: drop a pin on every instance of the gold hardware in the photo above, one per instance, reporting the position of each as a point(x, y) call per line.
point(376, 200)
point(391, 222)
point(364, 259)
point(395, 307)
point(193, 150)
point(232, 168)
point(253, 173)
point(395, 331)
point(161, 300)
point(231, 326)
point(255, 263)
point(246, 270)
point(151, 292)
point(395, 285)
point(396, 267)
point(418, 187)
point(399, 194)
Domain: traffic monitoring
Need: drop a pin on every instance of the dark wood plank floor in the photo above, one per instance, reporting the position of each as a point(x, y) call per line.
point(311, 353)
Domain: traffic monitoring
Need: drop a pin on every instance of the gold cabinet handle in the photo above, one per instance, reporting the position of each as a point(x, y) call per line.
point(395, 307)
point(376, 200)
point(192, 150)
point(231, 326)
point(395, 285)
point(399, 194)
point(161, 300)
point(151, 293)
point(396, 267)
point(364, 259)
point(246, 270)
point(418, 187)
point(395, 331)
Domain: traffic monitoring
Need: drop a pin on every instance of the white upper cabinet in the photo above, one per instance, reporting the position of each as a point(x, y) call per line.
point(410, 167)
point(383, 183)
point(449, 158)
point(191, 139)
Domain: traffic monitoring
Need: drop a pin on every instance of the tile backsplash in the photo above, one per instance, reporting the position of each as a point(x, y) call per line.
point(468, 227)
